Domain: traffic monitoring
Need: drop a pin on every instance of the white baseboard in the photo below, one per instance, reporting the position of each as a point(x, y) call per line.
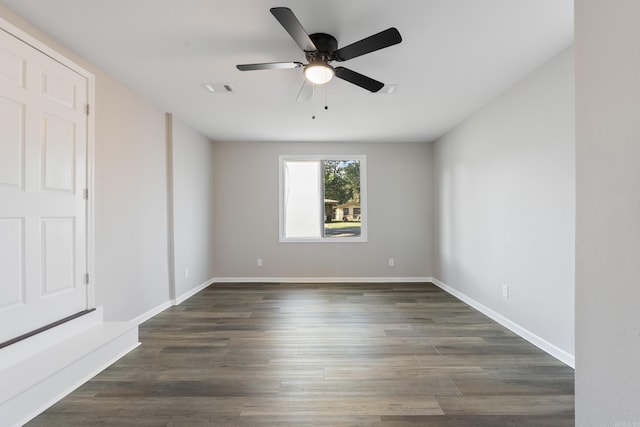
point(321, 279)
point(182, 298)
point(177, 301)
point(151, 313)
point(534, 339)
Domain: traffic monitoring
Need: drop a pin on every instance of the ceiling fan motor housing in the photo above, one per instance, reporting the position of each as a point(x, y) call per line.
point(326, 45)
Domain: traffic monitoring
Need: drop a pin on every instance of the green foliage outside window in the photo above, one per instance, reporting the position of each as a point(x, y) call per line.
point(342, 180)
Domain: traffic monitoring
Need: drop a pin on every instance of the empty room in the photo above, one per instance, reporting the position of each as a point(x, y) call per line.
point(361, 213)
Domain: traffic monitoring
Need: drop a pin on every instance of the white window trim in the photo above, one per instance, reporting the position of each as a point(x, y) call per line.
point(363, 238)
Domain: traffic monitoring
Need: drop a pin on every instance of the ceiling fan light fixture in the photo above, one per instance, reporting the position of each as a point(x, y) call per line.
point(319, 73)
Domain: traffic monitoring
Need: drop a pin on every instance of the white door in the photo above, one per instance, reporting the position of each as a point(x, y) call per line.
point(43, 176)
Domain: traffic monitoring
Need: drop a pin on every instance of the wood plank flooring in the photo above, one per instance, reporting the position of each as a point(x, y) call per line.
point(387, 355)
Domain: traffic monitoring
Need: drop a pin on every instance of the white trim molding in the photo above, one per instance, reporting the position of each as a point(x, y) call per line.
point(182, 298)
point(534, 339)
point(151, 313)
point(174, 301)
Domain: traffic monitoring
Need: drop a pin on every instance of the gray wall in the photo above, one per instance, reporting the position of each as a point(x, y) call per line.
point(608, 213)
point(505, 205)
point(191, 207)
point(399, 214)
point(131, 228)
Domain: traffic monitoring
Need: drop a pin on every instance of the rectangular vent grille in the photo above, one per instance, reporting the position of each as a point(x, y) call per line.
point(218, 87)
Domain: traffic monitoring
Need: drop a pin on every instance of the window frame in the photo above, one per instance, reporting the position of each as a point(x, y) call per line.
point(363, 238)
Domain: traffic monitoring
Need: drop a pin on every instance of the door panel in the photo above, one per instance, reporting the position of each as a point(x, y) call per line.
point(11, 66)
point(59, 255)
point(43, 160)
point(12, 262)
point(58, 154)
point(59, 90)
point(12, 147)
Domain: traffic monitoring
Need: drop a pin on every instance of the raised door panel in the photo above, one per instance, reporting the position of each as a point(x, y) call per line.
point(13, 143)
point(58, 255)
point(12, 65)
point(58, 154)
point(12, 291)
point(59, 89)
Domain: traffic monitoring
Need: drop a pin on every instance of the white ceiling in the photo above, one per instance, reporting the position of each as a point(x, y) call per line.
point(456, 55)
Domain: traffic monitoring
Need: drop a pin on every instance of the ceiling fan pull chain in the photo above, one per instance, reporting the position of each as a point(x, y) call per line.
point(313, 101)
point(326, 97)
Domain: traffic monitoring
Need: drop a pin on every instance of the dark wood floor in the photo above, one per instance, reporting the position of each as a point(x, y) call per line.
point(324, 355)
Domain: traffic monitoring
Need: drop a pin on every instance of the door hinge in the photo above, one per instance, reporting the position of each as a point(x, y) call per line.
point(86, 278)
point(87, 109)
point(86, 194)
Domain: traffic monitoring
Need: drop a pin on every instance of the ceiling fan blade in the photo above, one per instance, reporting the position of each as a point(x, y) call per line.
point(383, 39)
point(306, 91)
point(288, 20)
point(269, 66)
point(358, 79)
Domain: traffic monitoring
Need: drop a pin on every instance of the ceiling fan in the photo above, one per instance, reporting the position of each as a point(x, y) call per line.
point(320, 49)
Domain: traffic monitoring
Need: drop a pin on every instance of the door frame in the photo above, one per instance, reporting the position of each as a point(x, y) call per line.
point(90, 77)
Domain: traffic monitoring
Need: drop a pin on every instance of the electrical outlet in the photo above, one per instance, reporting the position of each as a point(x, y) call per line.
point(259, 262)
point(505, 291)
point(186, 273)
point(392, 262)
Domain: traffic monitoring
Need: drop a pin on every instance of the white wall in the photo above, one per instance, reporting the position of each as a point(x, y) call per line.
point(505, 205)
point(192, 207)
point(131, 228)
point(608, 213)
point(399, 190)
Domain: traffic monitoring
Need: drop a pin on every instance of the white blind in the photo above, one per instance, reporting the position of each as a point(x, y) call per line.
point(303, 198)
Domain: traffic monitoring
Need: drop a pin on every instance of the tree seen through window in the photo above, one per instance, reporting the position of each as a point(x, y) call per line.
point(342, 187)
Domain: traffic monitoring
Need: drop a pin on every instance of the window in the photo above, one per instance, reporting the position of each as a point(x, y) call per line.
point(323, 198)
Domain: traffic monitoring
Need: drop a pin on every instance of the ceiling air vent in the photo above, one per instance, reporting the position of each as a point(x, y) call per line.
point(217, 87)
